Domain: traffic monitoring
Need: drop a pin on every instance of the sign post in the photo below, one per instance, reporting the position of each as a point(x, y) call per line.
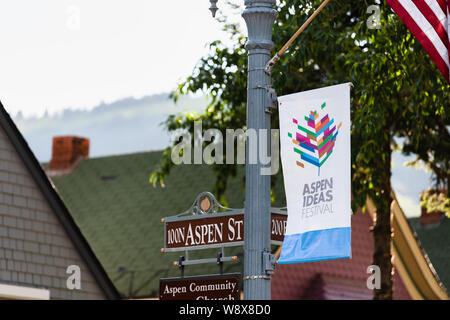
point(259, 16)
point(206, 225)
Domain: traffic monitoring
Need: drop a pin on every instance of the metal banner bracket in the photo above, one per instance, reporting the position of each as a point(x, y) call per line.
point(269, 262)
point(272, 100)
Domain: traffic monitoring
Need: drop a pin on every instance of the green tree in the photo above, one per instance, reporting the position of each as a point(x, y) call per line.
point(432, 149)
point(397, 90)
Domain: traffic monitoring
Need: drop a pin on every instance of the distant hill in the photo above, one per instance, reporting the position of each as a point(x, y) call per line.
point(124, 126)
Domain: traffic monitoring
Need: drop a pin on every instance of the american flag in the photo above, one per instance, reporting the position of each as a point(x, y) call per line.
point(429, 22)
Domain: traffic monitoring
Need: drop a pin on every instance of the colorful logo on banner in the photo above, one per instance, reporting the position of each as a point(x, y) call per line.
point(315, 141)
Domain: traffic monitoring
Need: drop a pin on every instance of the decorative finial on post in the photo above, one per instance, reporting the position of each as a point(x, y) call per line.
point(213, 7)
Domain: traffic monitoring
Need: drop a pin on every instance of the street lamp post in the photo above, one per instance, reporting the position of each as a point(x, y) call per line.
point(259, 16)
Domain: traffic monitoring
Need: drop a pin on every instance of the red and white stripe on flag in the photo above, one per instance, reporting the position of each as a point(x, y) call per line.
point(429, 22)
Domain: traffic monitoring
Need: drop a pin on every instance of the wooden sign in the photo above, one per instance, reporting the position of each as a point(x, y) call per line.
point(207, 224)
point(215, 230)
point(205, 232)
point(211, 287)
point(278, 222)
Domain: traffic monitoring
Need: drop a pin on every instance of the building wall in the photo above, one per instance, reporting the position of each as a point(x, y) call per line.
point(338, 279)
point(35, 250)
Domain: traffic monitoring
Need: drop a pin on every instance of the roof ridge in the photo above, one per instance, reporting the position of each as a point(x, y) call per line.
point(115, 155)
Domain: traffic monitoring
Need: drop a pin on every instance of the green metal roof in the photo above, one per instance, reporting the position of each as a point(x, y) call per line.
point(119, 213)
point(435, 242)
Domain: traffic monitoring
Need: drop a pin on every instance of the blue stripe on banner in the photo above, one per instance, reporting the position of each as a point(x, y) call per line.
point(310, 159)
point(327, 244)
point(307, 147)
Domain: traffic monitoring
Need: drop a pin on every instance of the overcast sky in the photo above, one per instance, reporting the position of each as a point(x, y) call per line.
point(77, 53)
point(60, 53)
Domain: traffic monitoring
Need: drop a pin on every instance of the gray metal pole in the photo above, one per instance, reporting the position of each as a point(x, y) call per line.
point(259, 16)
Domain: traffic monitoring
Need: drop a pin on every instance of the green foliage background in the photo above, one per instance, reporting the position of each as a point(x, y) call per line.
point(397, 89)
point(398, 92)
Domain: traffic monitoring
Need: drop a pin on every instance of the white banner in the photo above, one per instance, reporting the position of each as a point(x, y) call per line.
point(315, 155)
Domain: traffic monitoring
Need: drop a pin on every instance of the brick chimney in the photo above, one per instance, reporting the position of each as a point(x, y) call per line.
point(431, 219)
point(68, 151)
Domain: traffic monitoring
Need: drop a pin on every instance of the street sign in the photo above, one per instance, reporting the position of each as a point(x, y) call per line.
point(204, 226)
point(199, 232)
point(278, 222)
point(211, 287)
